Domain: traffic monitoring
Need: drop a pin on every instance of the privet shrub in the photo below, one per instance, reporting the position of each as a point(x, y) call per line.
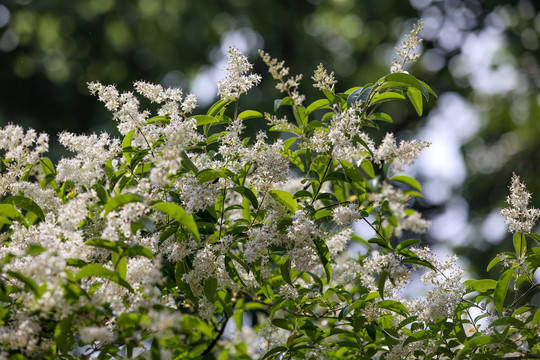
point(186, 240)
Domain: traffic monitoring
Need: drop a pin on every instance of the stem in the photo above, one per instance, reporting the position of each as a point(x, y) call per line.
point(524, 294)
point(220, 333)
point(320, 185)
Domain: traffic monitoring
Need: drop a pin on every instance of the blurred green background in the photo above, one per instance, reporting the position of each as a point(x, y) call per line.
point(479, 56)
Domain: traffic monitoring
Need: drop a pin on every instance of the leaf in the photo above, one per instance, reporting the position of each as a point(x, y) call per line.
point(210, 288)
point(231, 270)
point(97, 270)
point(179, 214)
point(214, 109)
point(408, 181)
point(321, 103)
point(520, 244)
point(405, 244)
point(119, 200)
point(273, 351)
point(154, 119)
point(104, 244)
point(63, 336)
point(482, 285)
point(25, 203)
point(47, 166)
point(535, 237)
point(283, 323)
point(138, 250)
point(359, 95)
point(357, 180)
point(248, 193)
point(10, 212)
point(286, 271)
point(492, 263)
point(501, 288)
point(286, 199)
point(324, 256)
point(409, 80)
point(415, 97)
point(209, 174)
point(249, 114)
point(281, 102)
point(387, 96)
point(394, 306)
point(205, 119)
point(475, 342)
point(381, 116)
point(187, 163)
point(126, 144)
point(30, 283)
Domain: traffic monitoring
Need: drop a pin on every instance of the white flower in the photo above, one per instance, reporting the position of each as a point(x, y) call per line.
point(346, 214)
point(238, 80)
point(404, 154)
point(288, 292)
point(518, 217)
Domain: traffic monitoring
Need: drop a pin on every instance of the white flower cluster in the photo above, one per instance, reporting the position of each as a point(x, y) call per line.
point(407, 49)
point(322, 79)
point(519, 218)
point(405, 154)
point(92, 152)
point(279, 72)
point(238, 80)
point(448, 288)
point(407, 219)
point(346, 214)
point(20, 149)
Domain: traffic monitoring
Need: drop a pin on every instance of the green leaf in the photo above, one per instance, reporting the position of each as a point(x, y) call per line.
point(187, 163)
point(210, 288)
point(321, 103)
point(482, 285)
point(520, 244)
point(63, 336)
point(283, 323)
point(154, 119)
point(405, 244)
point(126, 144)
point(138, 250)
point(97, 270)
point(535, 237)
point(281, 102)
point(409, 80)
point(248, 193)
point(231, 270)
point(492, 263)
point(286, 199)
point(536, 318)
point(382, 282)
point(179, 214)
point(294, 159)
point(10, 212)
point(475, 342)
point(394, 306)
point(104, 244)
point(215, 109)
point(381, 116)
point(324, 256)
point(361, 95)
point(501, 288)
point(286, 271)
point(277, 350)
point(205, 119)
point(119, 200)
point(249, 114)
point(415, 97)
point(25, 203)
point(408, 181)
point(30, 283)
point(209, 174)
point(357, 180)
point(47, 166)
point(387, 96)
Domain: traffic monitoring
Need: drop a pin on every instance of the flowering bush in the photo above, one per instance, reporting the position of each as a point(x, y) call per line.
point(185, 240)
